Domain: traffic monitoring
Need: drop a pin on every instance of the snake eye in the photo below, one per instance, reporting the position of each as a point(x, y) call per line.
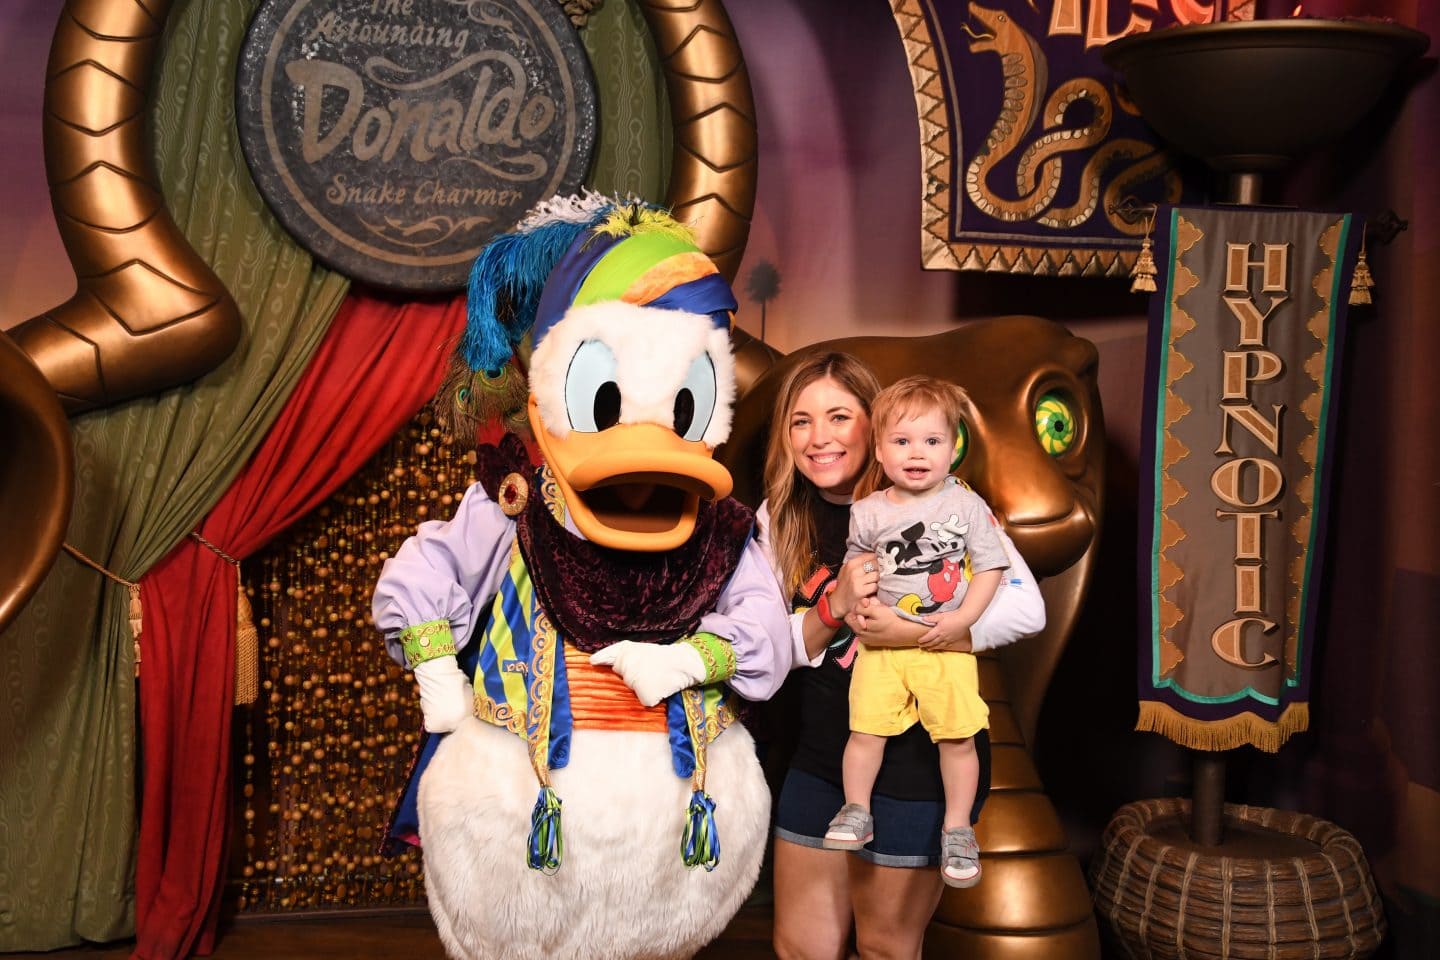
point(1055, 424)
point(962, 445)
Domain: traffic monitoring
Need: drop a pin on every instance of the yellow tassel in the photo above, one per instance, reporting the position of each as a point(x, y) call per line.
point(247, 651)
point(136, 624)
point(1142, 275)
point(247, 638)
point(1361, 283)
point(132, 588)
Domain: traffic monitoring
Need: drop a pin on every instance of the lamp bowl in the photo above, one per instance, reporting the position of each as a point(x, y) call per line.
point(1256, 96)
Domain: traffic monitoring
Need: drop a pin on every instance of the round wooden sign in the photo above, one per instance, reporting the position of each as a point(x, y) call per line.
point(392, 138)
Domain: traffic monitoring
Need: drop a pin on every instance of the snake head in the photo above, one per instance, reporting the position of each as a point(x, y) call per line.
point(992, 23)
point(1036, 435)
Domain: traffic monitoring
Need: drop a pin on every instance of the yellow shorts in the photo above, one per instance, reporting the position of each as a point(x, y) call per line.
point(891, 689)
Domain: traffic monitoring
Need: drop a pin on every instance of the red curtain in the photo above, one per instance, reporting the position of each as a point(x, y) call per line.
point(378, 364)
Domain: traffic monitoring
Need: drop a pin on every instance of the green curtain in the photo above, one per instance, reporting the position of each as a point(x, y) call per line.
point(632, 151)
point(146, 472)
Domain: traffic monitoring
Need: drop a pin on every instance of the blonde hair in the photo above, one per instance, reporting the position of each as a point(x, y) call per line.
point(793, 498)
point(906, 398)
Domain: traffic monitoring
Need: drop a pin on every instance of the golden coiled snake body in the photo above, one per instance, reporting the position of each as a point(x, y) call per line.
point(1038, 174)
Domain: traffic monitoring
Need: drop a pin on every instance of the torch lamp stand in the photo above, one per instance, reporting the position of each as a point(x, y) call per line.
point(1177, 878)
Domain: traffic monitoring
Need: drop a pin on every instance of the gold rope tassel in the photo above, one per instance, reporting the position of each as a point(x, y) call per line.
point(247, 650)
point(247, 638)
point(134, 614)
point(1361, 283)
point(1142, 275)
point(137, 623)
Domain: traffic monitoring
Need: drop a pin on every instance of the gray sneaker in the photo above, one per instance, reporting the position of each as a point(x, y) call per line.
point(852, 828)
point(959, 857)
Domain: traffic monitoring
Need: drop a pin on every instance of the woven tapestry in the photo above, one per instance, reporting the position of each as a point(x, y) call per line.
point(1244, 356)
point(1027, 148)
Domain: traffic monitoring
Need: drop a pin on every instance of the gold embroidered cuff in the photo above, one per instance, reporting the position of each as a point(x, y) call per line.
point(426, 641)
point(717, 654)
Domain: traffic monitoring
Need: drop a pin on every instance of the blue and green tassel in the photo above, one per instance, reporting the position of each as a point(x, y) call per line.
point(700, 843)
point(547, 844)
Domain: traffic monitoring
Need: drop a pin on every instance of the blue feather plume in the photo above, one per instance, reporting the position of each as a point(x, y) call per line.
point(505, 286)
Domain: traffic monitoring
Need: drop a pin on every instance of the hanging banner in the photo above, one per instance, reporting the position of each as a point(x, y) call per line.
point(1244, 354)
point(1027, 146)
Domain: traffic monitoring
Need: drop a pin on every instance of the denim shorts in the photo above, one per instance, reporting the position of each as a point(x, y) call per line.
point(907, 832)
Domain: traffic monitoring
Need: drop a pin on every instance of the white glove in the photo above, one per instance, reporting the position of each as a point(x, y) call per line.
point(653, 670)
point(446, 697)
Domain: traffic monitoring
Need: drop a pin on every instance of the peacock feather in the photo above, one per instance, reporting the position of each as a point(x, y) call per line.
point(469, 399)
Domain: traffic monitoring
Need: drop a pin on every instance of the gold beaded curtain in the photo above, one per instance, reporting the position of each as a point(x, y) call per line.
point(326, 749)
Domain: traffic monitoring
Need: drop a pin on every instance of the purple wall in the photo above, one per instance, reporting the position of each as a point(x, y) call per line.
point(34, 274)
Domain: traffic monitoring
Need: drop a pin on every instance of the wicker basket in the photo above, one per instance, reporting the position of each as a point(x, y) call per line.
point(1173, 899)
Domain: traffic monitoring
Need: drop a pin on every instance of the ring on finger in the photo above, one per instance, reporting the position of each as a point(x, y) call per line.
point(869, 566)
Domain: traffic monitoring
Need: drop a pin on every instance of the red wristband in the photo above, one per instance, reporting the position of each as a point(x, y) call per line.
point(822, 610)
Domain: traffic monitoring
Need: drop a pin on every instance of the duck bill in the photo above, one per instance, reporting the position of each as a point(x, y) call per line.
point(634, 486)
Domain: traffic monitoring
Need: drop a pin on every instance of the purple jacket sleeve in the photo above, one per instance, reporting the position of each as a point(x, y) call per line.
point(752, 616)
point(445, 571)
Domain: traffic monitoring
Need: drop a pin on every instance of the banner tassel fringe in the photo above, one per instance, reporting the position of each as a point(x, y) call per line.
point(1237, 731)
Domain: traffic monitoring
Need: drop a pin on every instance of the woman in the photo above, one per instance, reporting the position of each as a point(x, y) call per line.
point(819, 447)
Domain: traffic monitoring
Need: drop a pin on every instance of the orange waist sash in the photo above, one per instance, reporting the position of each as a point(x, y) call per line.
point(600, 700)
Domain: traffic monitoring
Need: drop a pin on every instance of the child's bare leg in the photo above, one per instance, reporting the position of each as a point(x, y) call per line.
point(960, 773)
point(863, 755)
point(853, 826)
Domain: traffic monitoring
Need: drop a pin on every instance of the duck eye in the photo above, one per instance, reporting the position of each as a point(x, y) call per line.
point(684, 410)
point(592, 395)
point(1055, 423)
point(962, 445)
point(695, 400)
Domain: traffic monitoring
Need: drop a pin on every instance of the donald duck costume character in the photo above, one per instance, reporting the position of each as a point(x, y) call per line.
point(614, 601)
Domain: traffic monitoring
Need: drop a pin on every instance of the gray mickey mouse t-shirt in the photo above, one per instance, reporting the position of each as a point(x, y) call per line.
point(921, 546)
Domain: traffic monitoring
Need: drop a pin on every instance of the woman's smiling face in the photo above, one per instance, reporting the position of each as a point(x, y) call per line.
point(829, 438)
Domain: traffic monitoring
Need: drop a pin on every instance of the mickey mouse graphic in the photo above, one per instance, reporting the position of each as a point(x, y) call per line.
point(931, 556)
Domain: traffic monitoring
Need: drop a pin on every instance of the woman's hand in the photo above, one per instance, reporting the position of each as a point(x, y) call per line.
point(878, 625)
point(950, 632)
point(858, 578)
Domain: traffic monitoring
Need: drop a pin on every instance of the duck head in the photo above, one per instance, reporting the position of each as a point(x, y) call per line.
point(631, 379)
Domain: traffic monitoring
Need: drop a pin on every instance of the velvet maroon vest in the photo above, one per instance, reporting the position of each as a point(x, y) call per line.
point(597, 596)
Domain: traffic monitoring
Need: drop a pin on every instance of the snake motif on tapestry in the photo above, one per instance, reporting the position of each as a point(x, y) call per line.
point(1038, 171)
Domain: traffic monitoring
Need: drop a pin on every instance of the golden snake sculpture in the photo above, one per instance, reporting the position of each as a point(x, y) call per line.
point(1038, 172)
